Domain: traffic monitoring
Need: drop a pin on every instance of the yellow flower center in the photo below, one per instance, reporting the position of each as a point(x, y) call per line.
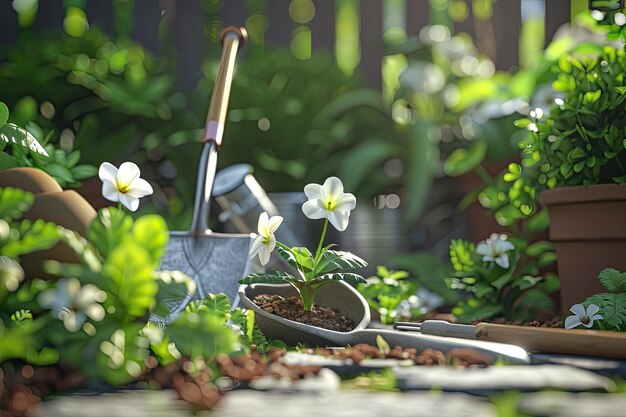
point(123, 188)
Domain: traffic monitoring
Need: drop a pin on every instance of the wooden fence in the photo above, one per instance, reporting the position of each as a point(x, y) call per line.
point(194, 23)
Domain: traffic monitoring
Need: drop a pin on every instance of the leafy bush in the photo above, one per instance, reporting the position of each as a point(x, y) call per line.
point(385, 293)
point(613, 302)
point(503, 281)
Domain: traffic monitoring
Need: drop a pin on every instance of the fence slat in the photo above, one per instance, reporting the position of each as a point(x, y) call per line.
point(557, 14)
point(371, 42)
point(323, 25)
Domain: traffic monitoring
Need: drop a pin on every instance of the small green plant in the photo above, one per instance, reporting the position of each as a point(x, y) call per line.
point(386, 293)
point(500, 278)
point(327, 202)
point(611, 305)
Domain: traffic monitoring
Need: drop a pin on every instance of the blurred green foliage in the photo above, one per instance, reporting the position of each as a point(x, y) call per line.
point(385, 292)
point(519, 292)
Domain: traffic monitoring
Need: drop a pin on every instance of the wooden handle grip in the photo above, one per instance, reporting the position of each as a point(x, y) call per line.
point(232, 39)
point(572, 342)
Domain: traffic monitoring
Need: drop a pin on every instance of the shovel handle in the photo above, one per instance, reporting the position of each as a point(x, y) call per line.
point(232, 39)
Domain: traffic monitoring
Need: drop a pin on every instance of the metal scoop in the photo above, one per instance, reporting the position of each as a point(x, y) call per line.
point(350, 303)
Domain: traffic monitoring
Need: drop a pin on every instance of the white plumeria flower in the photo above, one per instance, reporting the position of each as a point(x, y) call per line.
point(123, 184)
point(495, 250)
point(265, 241)
point(328, 201)
point(582, 315)
point(73, 303)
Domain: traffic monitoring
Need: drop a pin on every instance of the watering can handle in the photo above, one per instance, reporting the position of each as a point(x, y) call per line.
point(232, 39)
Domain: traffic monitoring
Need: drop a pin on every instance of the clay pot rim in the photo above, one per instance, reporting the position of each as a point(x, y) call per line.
point(584, 194)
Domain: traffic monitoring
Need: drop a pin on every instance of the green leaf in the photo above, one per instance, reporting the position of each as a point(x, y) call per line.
point(287, 254)
point(15, 135)
point(538, 222)
point(218, 303)
point(345, 276)
point(33, 236)
point(109, 229)
point(4, 114)
point(613, 280)
point(129, 269)
point(59, 172)
point(174, 286)
point(14, 202)
point(82, 172)
point(150, 231)
point(276, 277)
point(464, 160)
point(6, 160)
point(461, 254)
point(612, 308)
point(540, 247)
point(338, 260)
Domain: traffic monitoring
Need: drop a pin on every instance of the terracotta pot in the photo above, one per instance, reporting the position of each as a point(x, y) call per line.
point(588, 228)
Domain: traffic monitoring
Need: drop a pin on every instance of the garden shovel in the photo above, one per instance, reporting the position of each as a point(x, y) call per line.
point(215, 261)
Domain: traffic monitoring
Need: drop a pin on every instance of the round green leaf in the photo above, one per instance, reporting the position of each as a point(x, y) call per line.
point(4, 114)
point(464, 160)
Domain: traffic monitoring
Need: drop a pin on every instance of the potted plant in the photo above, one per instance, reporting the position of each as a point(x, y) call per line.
point(316, 271)
point(576, 158)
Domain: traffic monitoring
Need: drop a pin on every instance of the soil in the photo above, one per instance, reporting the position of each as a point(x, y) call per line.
point(554, 323)
point(457, 357)
point(291, 308)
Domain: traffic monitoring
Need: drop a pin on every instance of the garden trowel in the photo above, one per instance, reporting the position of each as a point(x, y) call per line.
point(215, 261)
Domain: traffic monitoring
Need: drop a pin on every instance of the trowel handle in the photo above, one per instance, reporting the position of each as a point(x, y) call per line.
point(232, 39)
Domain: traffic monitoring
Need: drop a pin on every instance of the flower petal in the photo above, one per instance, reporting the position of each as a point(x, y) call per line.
point(484, 249)
point(264, 254)
point(596, 317)
point(95, 312)
point(339, 219)
point(256, 245)
point(274, 223)
point(578, 309)
point(110, 191)
point(140, 188)
point(591, 310)
point(73, 321)
point(588, 324)
point(505, 245)
point(313, 191)
point(108, 172)
point(346, 202)
point(314, 209)
point(488, 258)
point(503, 260)
point(262, 224)
point(129, 201)
point(332, 190)
point(127, 173)
point(572, 321)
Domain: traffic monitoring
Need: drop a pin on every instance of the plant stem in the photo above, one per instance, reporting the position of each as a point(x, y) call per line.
point(483, 174)
point(307, 295)
point(318, 252)
point(119, 205)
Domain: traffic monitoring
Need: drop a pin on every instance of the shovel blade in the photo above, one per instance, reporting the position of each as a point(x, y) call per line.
point(215, 262)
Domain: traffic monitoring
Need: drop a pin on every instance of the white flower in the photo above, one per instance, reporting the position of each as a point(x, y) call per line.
point(582, 315)
point(11, 273)
point(23, 5)
point(328, 201)
point(73, 303)
point(533, 127)
point(495, 250)
point(265, 241)
point(124, 184)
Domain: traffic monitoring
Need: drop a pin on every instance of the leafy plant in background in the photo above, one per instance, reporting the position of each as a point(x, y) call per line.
point(385, 293)
point(315, 270)
point(501, 277)
point(19, 147)
point(612, 304)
